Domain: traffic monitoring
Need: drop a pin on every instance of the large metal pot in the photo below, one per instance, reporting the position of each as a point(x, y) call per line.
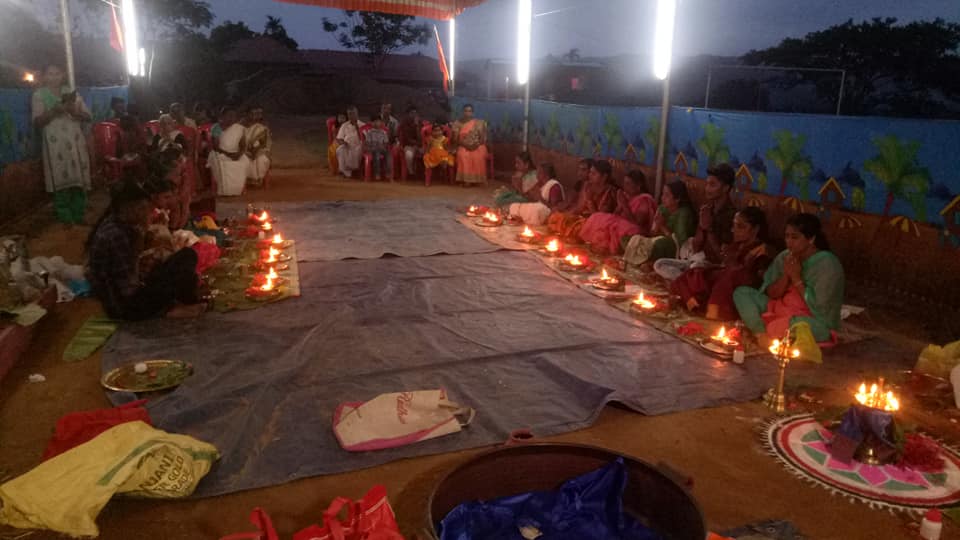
point(650, 496)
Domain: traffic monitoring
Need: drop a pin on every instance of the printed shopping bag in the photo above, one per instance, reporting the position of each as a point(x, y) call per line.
point(370, 518)
point(398, 419)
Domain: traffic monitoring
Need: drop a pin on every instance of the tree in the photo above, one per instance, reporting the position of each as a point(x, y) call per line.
point(573, 55)
point(275, 30)
point(377, 34)
point(896, 167)
point(228, 33)
point(890, 68)
point(167, 19)
point(652, 139)
point(712, 145)
point(612, 133)
point(788, 156)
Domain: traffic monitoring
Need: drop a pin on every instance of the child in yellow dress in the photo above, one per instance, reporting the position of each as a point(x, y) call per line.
point(438, 155)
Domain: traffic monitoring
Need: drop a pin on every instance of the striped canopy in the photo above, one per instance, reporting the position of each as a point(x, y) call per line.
point(431, 9)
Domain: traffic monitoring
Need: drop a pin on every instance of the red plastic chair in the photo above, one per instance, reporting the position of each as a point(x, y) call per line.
point(368, 158)
point(331, 129)
point(106, 138)
point(152, 127)
point(426, 133)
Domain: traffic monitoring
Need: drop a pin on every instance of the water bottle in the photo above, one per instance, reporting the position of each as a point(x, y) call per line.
point(931, 525)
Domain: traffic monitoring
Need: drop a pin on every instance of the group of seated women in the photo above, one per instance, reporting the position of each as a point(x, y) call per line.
point(717, 259)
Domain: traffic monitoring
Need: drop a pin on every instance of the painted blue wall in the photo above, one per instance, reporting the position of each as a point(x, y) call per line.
point(915, 161)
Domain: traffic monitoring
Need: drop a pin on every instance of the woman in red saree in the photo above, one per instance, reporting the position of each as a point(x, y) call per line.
point(470, 138)
point(710, 289)
point(599, 194)
point(633, 215)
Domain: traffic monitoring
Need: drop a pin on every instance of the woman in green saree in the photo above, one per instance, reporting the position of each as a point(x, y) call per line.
point(58, 114)
point(804, 284)
point(673, 224)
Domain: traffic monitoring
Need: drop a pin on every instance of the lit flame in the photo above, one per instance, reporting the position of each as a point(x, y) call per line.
point(722, 336)
point(553, 246)
point(876, 399)
point(272, 274)
point(472, 209)
point(274, 252)
point(28, 77)
point(491, 217)
point(271, 259)
point(573, 260)
point(267, 226)
point(268, 286)
point(643, 302)
point(777, 349)
point(277, 238)
point(263, 217)
point(527, 233)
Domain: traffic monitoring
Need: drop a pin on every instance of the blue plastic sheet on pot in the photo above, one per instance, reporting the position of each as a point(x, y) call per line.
point(588, 507)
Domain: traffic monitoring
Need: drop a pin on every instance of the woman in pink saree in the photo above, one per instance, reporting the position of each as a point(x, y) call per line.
point(633, 215)
point(470, 139)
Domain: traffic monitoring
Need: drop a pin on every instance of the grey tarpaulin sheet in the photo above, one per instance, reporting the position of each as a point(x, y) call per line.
point(499, 331)
point(332, 231)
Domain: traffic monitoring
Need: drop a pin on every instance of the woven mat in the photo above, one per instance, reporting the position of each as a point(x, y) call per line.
point(801, 444)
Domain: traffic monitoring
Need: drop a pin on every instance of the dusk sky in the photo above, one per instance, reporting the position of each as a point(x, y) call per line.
point(608, 27)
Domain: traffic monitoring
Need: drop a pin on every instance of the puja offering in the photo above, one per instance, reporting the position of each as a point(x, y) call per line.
point(722, 338)
point(476, 211)
point(867, 432)
point(575, 263)
point(607, 282)
point(273, 255)
point(528, 236)
point(262, 292)
point(643, 303)
point(147, 376)
point(490, 219)
point(270, 276)
point(267, 227)
point(552, 248)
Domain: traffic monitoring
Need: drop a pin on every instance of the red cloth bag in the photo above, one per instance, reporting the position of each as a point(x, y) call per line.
point(370, 518)
point(262, 522)
point(76, 428)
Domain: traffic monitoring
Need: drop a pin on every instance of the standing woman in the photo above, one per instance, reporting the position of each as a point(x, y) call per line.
point(58, 114)
point(470, 139)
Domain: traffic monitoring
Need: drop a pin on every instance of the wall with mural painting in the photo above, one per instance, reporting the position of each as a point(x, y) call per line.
point(888, 189)
point(21, 181)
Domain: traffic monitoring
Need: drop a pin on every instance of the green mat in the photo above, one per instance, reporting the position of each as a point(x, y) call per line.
point(90, 337)
point(233, 274)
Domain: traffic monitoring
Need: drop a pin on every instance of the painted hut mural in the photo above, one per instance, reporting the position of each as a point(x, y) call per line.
point(793, 204)
point(850, 178)
point(788, 156)
point(744, 179)
point(951, 221)
point(712, 147)
point(896, 167)
point(612, 134)
point(692, 157)
point(759, 168)
point(831, 194)
point(680, 164)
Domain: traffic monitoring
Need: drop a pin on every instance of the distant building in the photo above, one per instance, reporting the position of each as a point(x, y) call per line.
point(551, 79)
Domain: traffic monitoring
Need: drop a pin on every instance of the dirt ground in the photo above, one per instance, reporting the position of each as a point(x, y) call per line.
point(736, 482)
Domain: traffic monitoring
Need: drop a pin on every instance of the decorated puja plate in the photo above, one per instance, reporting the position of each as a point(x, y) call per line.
point(477, 211)
point(618, 286)
point(254, 293)
point(485, 223)
point(537, 238)
point(147, 376)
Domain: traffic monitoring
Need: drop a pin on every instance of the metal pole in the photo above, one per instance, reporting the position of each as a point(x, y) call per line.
point(526, 113)
point(662, 144)
point(706, 98)
point(843, 79)
point(68, 42)
point(453, 56)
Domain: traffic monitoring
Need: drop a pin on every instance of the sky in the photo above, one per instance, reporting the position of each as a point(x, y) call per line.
point(610, 27)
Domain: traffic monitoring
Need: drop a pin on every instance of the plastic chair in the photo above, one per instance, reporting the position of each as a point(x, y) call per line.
point(368, 157)
point(106, 138)
point(331, 129)
point(152, 127)
point(426, 133)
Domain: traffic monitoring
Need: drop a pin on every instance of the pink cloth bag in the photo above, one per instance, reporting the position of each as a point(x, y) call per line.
point(398, 419)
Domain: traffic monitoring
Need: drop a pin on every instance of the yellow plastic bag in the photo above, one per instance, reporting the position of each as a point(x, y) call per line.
point(66, 493)
point(938, 361)
point(804, 341)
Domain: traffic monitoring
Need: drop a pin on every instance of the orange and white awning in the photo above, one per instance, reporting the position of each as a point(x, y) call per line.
point(431, 9)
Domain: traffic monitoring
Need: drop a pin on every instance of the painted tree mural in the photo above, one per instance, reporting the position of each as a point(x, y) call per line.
point(612, 135)
point(652, 137)
point(897, 168)
point(584, 136)
point(553, 135)
point(794, 166)
point(712, 146)
point(851, 177)
point(693, 158)
point(759, 168)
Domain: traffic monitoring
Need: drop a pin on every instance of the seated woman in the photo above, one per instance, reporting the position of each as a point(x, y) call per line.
point(745, 261)
point(804, 284)
point(114, 247)
point(169, 136)
point(470, 139)
point(549, 197)
point(523, 185)
point(437, 155)
point(633, 215)
point(672, 225)
point(599, 194)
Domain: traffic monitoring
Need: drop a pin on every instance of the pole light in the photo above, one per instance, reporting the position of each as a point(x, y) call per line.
point(130, 46)
point(524, 18)
point(453, 55)
point(663, 38)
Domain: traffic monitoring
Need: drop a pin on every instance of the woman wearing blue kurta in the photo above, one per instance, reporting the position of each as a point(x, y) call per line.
point(58, 114)
point(804, 284)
